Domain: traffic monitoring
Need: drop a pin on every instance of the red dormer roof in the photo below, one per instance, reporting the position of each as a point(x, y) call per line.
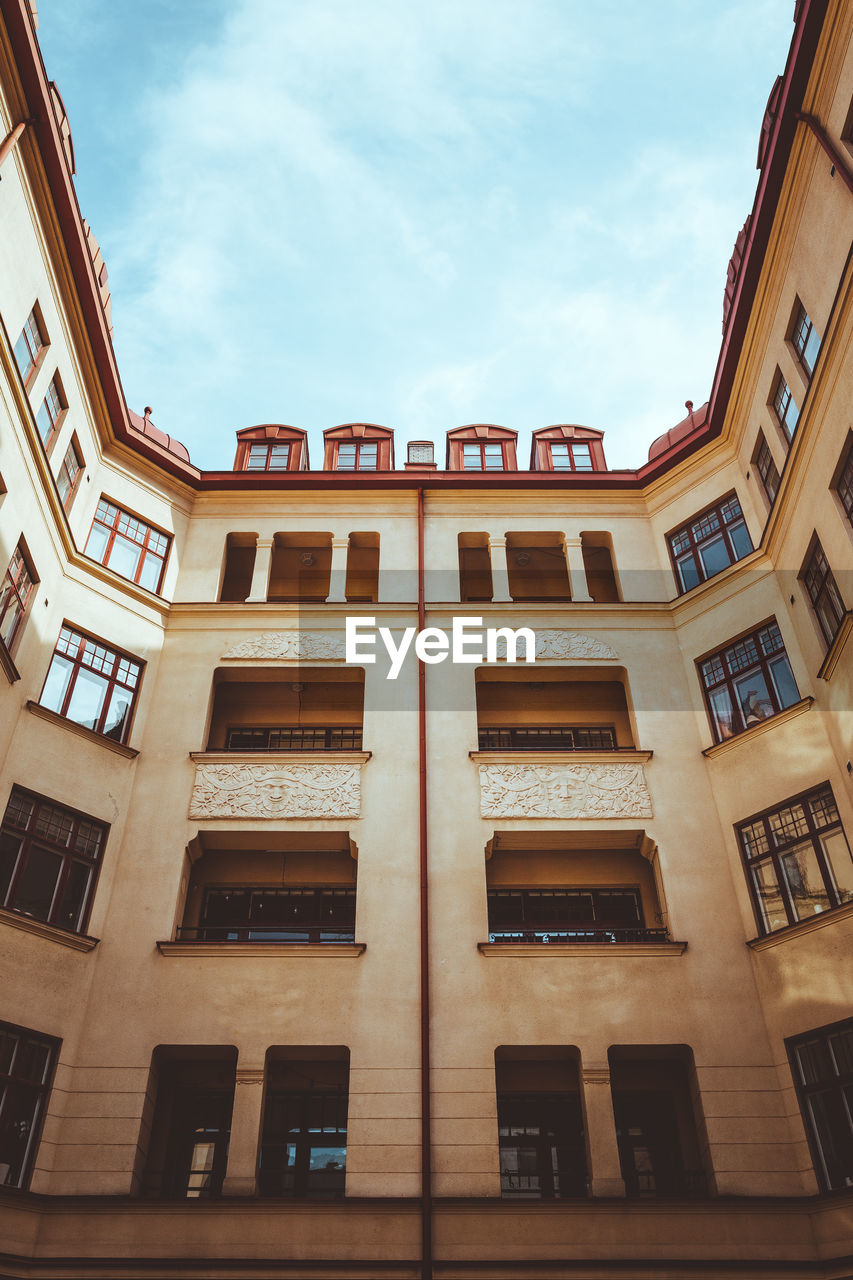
point(540, 447)
point(694, 422)
point(483, 431)
point(383, 437)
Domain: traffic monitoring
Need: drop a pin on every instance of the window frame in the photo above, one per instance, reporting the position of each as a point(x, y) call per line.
point(55, 394)
point(781, 407)
point(570, 446)
point(30, 837)
point(114, 530)
point(822, 591)
point(730, 679)
point(357, 446)
point(269, 447)
point(482, 446)
point(772, 852)
point(13, 593)
point(303, 1136)
point(119, 656)
point(71, 480)
point(841, 1081)
point(801, 333)
point(692, 546)
point(34, 341)
point(765, 465)
point(43, 1088)
point(842, 482)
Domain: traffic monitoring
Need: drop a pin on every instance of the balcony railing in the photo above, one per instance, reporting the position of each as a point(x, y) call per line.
point(325, 933)
point(546, 936)
point(548, 738)
point(296, 738)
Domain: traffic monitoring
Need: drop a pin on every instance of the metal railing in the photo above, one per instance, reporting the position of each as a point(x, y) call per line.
point(325, 933)
point(546, 936)
point(547, 738)
point(295, 738)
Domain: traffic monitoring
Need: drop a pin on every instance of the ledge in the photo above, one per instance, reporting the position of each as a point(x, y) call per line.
point(40, 928)
point(280, 757)
point(836, 649)
point(627, 756)
point(755, 730)
point(52, 718)
point(11, 671)
point(582, 948)
point(342, 950)
point(791, 931)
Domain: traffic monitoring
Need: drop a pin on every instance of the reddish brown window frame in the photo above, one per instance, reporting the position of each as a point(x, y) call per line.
point(66, 476)
point(571, 446)
point(481, 446)
point(767, 470)
point(73, 646)
point(785, 407)
point(12, 1079)
point(683, 541)
point(771, 847)
point(117, 521)
point(822, 591)
point(832, 1043)
point(53, 406)
point(269, 449)
point(16, 591)
point(30, 344)
point(844, 483)
point(755, 654)
point(40, 829)
point(358, 446)
point(802, 334)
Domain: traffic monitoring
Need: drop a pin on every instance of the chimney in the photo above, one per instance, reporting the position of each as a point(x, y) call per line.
point(420, 455)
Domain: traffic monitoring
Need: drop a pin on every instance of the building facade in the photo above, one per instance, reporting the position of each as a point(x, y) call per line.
point(489, 969)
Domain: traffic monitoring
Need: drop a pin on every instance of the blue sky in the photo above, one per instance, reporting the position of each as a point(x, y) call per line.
point(322, 211)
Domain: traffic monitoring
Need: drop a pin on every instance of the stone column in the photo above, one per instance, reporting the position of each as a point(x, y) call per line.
point(500, 577)
point(241, 1174)
point(577, 572)
point(338, 577)
point(605, 1174)
point(261, 571)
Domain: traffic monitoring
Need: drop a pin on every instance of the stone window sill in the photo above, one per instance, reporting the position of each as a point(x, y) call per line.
point(837, 647)
point(619, 756)
point(11, 671)
point(791, 931)
point(75, 941)
point(755, 730)
point(577, 949)
point(52, 718)
point(244, 950)
point(293, 757)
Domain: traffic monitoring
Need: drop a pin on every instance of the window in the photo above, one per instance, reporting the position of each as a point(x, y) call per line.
point(91, 684)
point(785, 407)
point(655, 1106)
point(709, 543)
point(304, 1134)
point(767, 470)
point(797, 860)
point(49, 860)
point(358, 455)
point(30, 345)
point(747, 682)
point(128, 545)
point(52, 408)
point(822, 1066)
point(15, 591)
point(306, 914)
point(268, 457)
point(26, 1069)
point(823, 592)
point(566, 915)
point(69, 474)
point(844, 485)
point(191, 1122)
point(541, 1146)
point(479, 456)
point(571, 457)
point(805, 339)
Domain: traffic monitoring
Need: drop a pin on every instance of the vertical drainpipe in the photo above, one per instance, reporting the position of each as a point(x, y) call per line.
point(426, 1101)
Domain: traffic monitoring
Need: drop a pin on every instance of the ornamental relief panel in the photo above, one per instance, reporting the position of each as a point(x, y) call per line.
point(571, 644)
point(290, 646)
point(615, 790)
point(251, 789)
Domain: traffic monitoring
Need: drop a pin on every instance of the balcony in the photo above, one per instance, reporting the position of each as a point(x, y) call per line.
point(295, 738)
point(547, 738)
point(561, 936)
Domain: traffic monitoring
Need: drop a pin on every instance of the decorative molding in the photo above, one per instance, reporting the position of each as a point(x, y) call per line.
point(615, 790)
point(627, 755)
point(44, 713)
point(595, 1075)
point(571, 644)
point(276, 788)
point(40, 928)
point(763, 726)
point(289, 646)
point(249, 1075)
point(578, 949)
point(256, 950)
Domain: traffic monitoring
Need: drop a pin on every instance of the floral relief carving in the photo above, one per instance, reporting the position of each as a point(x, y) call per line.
point(564, 791)
point(289, 646)
point(571, 644)
point(276, 790)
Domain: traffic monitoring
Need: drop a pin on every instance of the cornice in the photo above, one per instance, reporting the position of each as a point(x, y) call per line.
point(756, 730)
point(577, 950)
point(561, 757)
point(264, 950)
point(40, 929)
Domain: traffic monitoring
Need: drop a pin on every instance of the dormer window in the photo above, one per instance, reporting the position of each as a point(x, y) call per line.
point(358, 455)
point(571, 457)
point(268, 457)
point(481, 456)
